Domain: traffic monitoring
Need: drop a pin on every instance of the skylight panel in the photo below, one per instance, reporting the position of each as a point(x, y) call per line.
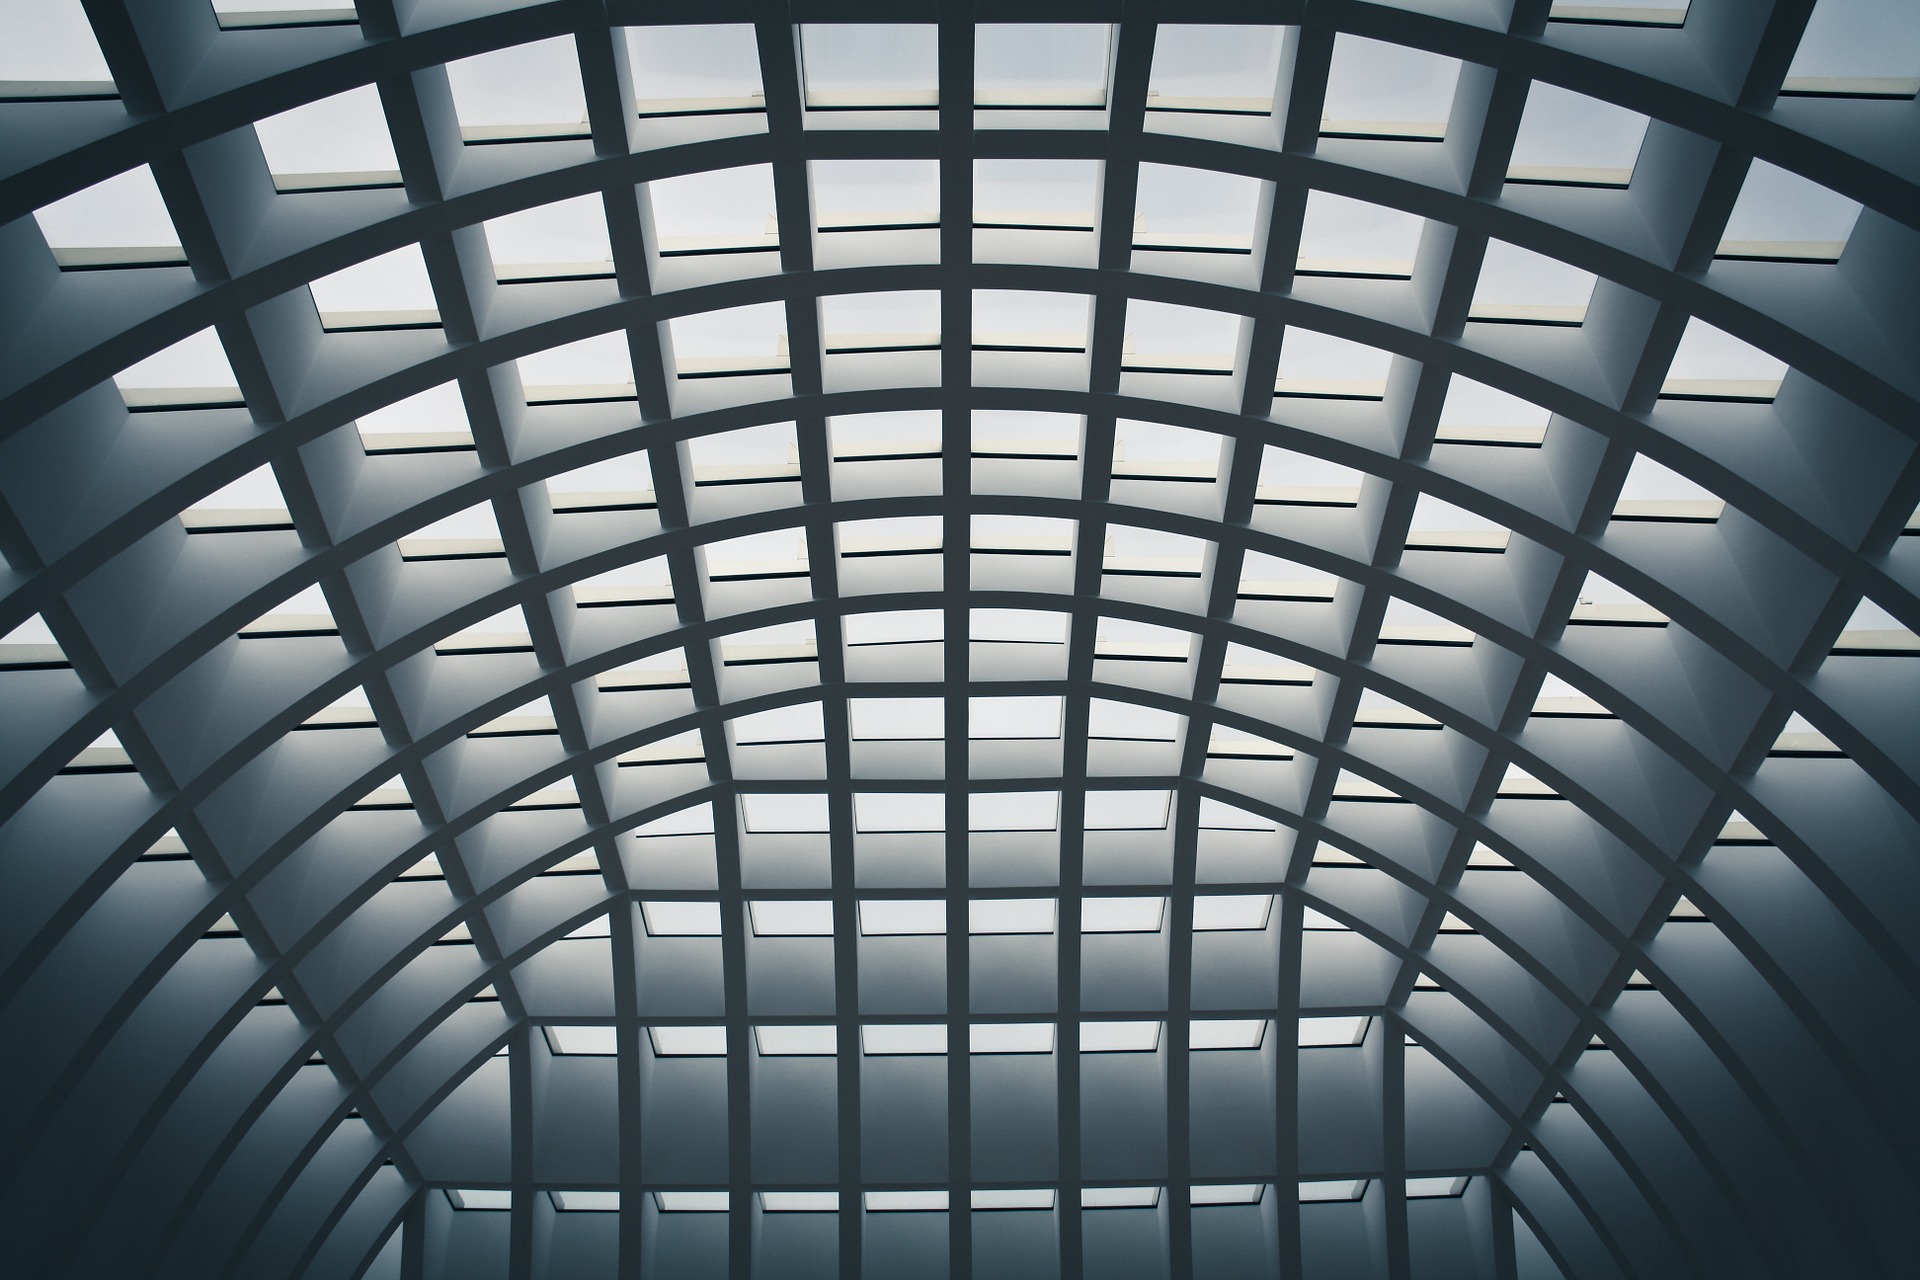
point(695, 819)
point(1199, 210)
point(1016, 434)
point(775, 811)
point(868, 195)
point(902, 917)
point(1030, 320)
point(802, 722)
point(1119, 1037)
point(1604, 601)
point(1321, 366)
point(587, 1041)
point(1622, 13)
point(906, 1201)
point(1040, 64)
point(1123, 638)
point(1439, 525)
point(1219, 1193)
point(596, 368)
point(1119, 1197)
point(467, 1199)
point(50, 44)
point(900, 1039)
point(1781, 215)
point(1163, 337)
point(689, 1042)
point(1018, 626)
point(1218, 815)
point(565, 238)
point(192, 372)
point(1122, 915)
point(900, 320)
point(890, 536)
point(252, 501)
point(691, 1201)
point(340, 141)
point(1133, 549)
point(616, 483)
point(1133, 810)
point(586, 1201)
point(1711, 364)
point(389, 291)
point(894, 719)
point(877, 811)
point(800, 1201)
point(789, 918)
point(797, 1042)
point(1129, 721)
point(432, 419)
point(1226, 1033)
point(1327, 1033)
point(1012, 915)
point(1013, 1198)
point(1010, 1037)
point(1023, 717)
point(870, 66)
point(1569, 139)
point(894, 626)
point(250, 14)
point(1436, 1188)
point(1655, 492)
point(737, 340)
point(1156, 449)
point(1269, 577)
point(715, 211)
point(1298, 479)
point(1858, 48)
point(1519, 286)
point(521, 91)
point(694, 69)
point(1341, 236)
point(120, 222)
point(1376, 89)
point(770, 445)
point(1021, 535)
point(1215, 69)
point(1226, 912)
point(1475, 413)
point(861, 436)
point(1332, 1190)
point(1036, 194)
point(1013, 811)
point(681, 919)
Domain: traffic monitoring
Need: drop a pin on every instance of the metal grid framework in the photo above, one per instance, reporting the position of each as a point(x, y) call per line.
point(456, 862)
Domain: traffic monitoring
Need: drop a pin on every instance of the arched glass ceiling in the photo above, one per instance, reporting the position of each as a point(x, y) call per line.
point(813, 639)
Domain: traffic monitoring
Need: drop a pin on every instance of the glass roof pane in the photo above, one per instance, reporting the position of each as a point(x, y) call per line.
point(1036, 193)
point(869, 65)
point(343, 138)
point(124, 212)
point(1569, 138)
point(50, 42)
point(1215, 68)
point(850, 195)
point(1040, 64)
point(723, 209)
point(564, 234)
point(694, 68)
point(1181, 208)
point(521, 90)
point(797, 1042)
point(1376, 89)
point(1859, 46)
